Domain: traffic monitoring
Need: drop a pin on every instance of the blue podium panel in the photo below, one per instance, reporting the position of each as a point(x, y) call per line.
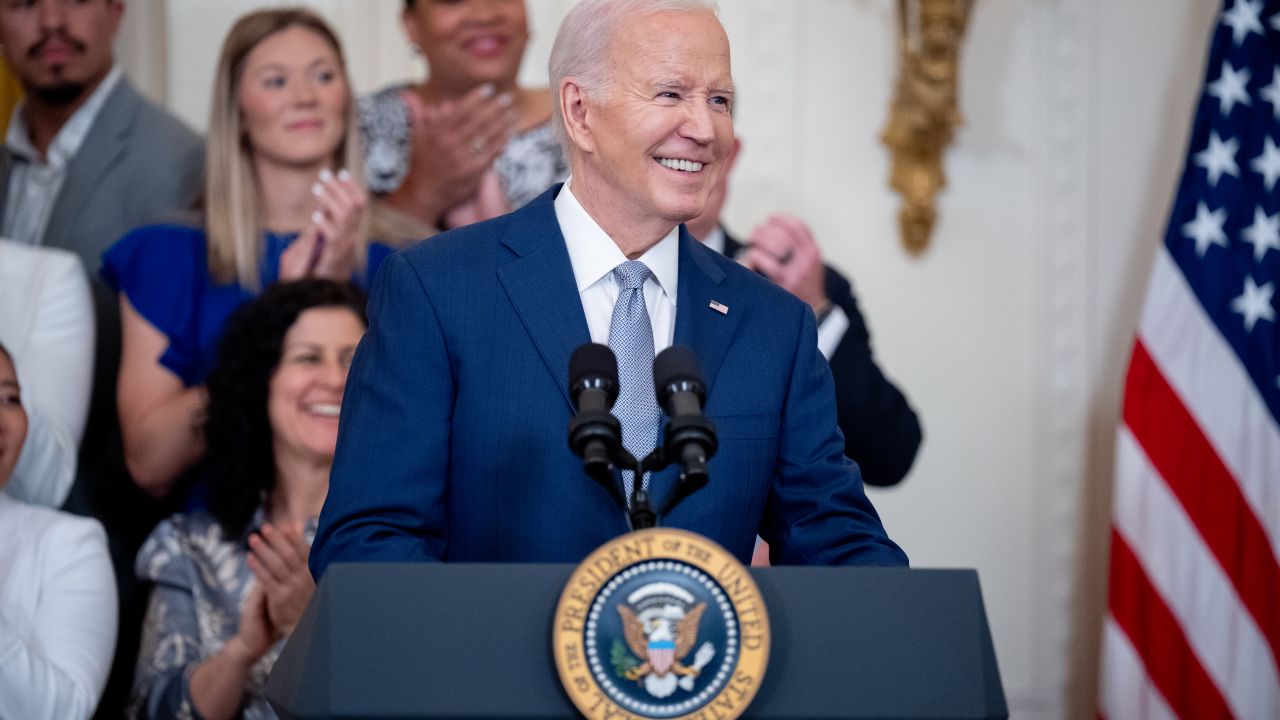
point(877, 643)
point(473, 641)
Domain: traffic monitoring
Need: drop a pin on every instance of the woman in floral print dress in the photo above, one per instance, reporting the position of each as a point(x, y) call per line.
point(230, 583)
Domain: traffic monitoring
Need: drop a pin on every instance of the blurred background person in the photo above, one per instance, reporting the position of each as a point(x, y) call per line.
point(86, 156)
point(231, 583)
point(46, 321)
point(283, 200)
point(86, 159)
point(467, 143)
point(57, 593)
point(881, 431)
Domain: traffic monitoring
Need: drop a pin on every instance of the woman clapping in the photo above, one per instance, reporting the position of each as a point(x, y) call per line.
point(231, 583)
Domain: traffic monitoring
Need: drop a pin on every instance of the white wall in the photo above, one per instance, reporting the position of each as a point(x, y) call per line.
point(1011, 333)
point(377, 53)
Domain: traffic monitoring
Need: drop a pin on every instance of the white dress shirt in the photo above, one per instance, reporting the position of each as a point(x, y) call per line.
point(35, 180)
point(57, 613)
point(47, 324)
point(594, 255)
point(832, 328)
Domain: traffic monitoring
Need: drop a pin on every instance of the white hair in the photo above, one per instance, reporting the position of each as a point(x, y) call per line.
point(582, 44)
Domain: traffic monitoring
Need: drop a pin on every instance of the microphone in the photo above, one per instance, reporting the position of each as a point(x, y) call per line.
point(593, 377)
point(595, 434)
point(690, 437)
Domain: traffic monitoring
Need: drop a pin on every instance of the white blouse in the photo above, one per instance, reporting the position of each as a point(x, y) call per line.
point(57, 612)
point(47, 324)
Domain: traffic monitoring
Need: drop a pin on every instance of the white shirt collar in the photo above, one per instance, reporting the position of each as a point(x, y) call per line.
point(593, 254)
point(67, 142)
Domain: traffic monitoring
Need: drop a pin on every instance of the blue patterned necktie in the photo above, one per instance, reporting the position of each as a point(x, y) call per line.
point(631, 339)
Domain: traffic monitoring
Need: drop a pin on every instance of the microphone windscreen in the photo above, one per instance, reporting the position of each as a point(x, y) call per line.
point(593, 360)
point(675, 364)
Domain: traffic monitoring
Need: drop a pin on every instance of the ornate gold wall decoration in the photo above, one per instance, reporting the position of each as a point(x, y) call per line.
point(925, 111)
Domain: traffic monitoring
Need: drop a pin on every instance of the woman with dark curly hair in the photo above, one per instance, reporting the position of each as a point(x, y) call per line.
point(231, 583)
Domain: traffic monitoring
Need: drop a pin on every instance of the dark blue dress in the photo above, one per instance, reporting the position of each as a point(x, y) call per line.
point(163, 270)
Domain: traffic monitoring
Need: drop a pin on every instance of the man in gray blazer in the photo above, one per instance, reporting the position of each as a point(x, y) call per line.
point(86, 159)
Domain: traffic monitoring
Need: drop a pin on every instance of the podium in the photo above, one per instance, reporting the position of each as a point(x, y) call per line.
point(473, 641)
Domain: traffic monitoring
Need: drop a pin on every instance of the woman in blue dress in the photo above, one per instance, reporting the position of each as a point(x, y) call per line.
point(283, 200)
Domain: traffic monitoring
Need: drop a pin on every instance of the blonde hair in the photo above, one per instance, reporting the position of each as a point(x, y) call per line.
point(233, 216)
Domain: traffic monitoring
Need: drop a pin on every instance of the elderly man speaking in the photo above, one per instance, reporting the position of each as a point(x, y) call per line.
point(452, 442)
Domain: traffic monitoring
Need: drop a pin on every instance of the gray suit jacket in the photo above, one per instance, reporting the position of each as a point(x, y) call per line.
point(137, 164)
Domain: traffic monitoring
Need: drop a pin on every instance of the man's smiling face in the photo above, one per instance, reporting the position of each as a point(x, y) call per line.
point(662, 128)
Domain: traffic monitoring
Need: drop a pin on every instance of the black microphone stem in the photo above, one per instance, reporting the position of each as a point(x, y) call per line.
point(641, 514)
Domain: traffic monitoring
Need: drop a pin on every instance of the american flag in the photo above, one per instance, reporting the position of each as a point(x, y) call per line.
point(1193, 622)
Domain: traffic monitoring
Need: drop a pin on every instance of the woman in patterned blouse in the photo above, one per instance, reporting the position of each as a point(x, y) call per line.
point(231, 583)
point(467, 143)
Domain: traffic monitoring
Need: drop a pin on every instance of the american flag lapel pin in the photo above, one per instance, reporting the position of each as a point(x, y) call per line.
point(719, 307)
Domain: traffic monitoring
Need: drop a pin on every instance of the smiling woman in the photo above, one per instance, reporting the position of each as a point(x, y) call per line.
point(283, 200)
point(231, 583)
point(467, 143)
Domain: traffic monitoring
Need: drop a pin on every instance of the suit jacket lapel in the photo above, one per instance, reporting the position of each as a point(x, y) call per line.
point(699, 325)
point(103, 146)
point(543, 291)
point(542, 288)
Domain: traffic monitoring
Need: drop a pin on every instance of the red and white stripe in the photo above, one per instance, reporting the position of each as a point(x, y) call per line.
point(661, 659)
point(1193, 625)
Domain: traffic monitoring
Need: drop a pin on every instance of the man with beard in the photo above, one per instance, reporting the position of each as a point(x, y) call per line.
point(86, 159)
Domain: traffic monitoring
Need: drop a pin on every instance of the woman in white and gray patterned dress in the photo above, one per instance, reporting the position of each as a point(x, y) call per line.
point(467, 143)
point(231, 583)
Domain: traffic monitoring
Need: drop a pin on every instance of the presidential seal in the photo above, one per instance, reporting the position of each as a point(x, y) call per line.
point(661, 623)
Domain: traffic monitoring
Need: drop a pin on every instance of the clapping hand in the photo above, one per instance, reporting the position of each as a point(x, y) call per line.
point(456, 142)
point(783, 249)
point(256, 633)
point(278, 559)
point(326, 248)
point(490, 202)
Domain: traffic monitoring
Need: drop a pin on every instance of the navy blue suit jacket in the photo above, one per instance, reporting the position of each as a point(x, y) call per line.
point(453, 441)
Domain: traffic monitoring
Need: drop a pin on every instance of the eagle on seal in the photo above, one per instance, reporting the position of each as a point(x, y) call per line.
point(662, 641)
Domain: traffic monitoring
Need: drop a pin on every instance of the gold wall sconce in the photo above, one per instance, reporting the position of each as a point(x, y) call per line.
point(925, 111)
